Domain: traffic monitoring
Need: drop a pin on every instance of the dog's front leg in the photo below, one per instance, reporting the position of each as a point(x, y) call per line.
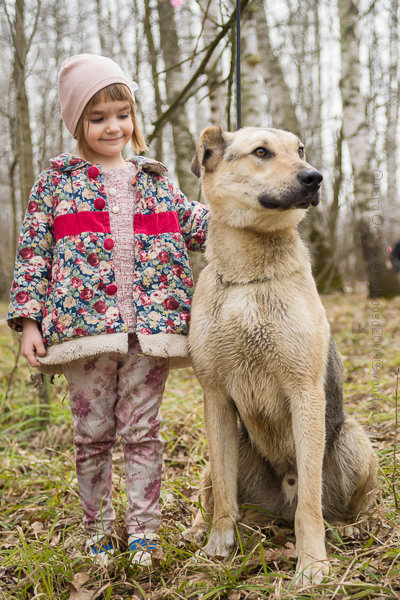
point(222, 437)
point(308, 418)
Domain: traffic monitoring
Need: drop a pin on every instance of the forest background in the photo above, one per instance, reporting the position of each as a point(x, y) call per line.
point(327, 70)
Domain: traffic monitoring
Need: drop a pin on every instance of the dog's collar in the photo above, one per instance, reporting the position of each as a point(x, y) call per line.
point(221, 284)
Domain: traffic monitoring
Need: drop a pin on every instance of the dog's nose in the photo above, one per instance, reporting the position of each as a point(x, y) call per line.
point(310, 178)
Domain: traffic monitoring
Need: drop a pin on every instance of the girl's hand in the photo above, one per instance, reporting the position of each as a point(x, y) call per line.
point(32, 342)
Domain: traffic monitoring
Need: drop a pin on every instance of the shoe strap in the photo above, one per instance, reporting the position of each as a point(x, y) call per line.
point(103, 548)
point(142, 543)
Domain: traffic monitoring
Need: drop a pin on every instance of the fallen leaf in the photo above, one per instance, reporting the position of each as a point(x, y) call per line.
point(279, 539)
point(270, 556)
point(37, 527)
point(157, 556)
point(289, 553)
point(78, 592)
point(79, 579)
point(82, 594)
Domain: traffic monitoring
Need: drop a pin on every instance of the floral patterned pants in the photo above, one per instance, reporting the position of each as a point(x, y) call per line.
point(111, 395)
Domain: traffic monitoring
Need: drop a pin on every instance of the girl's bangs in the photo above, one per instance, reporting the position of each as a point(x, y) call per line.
point(114, 92)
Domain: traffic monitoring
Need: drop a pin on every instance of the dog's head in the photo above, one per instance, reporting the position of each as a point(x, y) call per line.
point(256, 177)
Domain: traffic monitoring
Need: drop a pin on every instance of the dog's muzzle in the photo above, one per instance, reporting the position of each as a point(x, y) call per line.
point(303, 196)
point(311, 180)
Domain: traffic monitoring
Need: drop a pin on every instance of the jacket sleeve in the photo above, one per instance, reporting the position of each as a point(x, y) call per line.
point(193, 219)
point(34, 260)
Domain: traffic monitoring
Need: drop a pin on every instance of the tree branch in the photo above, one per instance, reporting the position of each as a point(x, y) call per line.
point(200, 70)
point(34, 28)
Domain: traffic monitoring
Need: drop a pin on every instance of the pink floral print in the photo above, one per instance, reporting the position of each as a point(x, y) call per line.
point(65, 276)
point(115, 395)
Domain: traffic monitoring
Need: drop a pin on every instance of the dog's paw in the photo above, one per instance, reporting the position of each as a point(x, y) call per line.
point(195, 534)
point(310, 574)
point(220, 543)
point(353, 532)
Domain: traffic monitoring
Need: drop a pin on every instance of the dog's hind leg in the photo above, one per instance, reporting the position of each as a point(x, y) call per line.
point(349, 474)
point(263, 494)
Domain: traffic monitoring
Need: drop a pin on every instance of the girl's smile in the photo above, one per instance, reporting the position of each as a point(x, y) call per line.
point(108, 129)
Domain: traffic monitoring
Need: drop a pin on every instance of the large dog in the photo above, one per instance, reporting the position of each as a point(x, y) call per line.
point(262, 351)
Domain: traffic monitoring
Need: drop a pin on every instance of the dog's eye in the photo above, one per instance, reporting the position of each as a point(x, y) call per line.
point(261, 152)
point(301, 152)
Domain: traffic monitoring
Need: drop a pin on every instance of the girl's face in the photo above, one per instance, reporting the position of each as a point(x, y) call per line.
point(108, 129)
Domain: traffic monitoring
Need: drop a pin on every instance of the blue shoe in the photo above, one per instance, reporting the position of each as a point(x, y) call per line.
point(100, 549)
point(140, 548)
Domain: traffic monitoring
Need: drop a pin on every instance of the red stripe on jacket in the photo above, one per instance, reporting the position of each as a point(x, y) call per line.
point(76, 223)
point(156, 223)
point(99, 222)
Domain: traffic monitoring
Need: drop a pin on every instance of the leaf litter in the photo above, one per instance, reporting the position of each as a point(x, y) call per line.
point(42, 539)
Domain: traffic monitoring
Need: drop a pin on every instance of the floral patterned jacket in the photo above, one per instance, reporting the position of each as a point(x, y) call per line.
point(64, 275)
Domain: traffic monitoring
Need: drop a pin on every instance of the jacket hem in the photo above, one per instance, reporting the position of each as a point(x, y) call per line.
point(164, 344)
point(173, 346)
point(84, 347)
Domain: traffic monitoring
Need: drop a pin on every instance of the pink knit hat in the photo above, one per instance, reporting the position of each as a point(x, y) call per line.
point(80, 78)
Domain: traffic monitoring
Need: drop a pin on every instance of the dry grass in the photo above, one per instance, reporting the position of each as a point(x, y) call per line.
point(41, 541)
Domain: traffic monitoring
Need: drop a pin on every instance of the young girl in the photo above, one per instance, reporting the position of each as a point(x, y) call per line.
point(102, 292)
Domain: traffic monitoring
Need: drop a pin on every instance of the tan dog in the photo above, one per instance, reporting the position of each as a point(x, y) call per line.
point(262, 351)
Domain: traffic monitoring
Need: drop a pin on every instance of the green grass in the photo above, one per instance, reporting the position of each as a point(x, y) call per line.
point(42, 540)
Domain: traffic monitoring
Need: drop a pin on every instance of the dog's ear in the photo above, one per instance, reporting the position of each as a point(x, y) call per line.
point(210, 148)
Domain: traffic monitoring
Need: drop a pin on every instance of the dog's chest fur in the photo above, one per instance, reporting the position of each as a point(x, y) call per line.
point(256, 340)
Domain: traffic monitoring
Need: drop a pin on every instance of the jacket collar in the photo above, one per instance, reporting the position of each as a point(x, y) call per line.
point(67, 162)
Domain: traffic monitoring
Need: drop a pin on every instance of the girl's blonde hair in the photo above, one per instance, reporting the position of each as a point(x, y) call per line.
point(115, 91)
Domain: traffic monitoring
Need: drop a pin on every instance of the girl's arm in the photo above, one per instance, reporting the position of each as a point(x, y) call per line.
point(193, 219)
point(32, 342)
point(34, 258)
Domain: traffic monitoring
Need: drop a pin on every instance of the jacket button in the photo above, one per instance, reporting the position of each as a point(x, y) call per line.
point(108, 244)
point(93, 172)
point(99, 203)
point(111, 289)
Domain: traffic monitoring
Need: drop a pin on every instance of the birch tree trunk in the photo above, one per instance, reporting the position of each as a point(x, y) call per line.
point(252, 106)
point(23, 127)
point(103, 28)
point(184, 145)
point(25, 150)
point(392, 119)
point(368, 209)
point(280, 104)
point(323, 239)
point(284, 116)
point(216, 89)
point(154, 72)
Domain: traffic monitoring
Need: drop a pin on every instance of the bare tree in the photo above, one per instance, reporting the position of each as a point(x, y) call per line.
point(381, 280)
point(392, 118)
point(216, 88)
point(252, 105)
point(280, 104)
point(103, 14)
point(21, 45)
point(153, 59)
point(184, 145)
